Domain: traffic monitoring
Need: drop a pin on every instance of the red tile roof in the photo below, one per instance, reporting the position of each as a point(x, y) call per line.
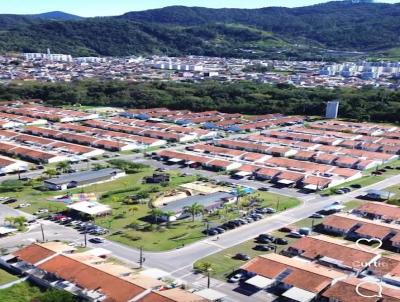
point(86, 276)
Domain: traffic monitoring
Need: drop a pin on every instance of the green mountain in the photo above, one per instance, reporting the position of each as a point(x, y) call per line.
point(267, 32)
point(55, 15)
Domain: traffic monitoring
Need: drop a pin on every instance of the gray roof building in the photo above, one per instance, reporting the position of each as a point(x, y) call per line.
point(77, 179)
point(207, 201)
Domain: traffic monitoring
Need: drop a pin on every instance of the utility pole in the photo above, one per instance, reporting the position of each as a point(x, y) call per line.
point(85, 236)
point(277, 205)
point(41, 228)
point(312, 225)
point(141, 258)
point(208, 278)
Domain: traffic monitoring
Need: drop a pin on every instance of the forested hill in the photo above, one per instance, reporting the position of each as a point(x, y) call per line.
point(179, 30)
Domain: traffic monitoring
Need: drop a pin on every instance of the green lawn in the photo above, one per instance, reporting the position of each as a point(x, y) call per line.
point(133, 230)
point(363, 182)
point(22, 292)
point(350, 205)
point(6, 277)
point(223, 264)
point(39, 199)
point(28, 292)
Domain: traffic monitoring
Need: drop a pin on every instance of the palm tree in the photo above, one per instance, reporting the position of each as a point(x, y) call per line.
point(194, 209)
point(206, 267)
point(63, 166)
point(50, 173)
point(20, 220)
point(239, 192)
point(156, 213)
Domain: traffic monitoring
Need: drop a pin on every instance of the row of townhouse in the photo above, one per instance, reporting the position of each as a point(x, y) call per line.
point(90, 275)
point(8, 120)
point(31, 154)
point(168, 132)
point(355, 227)
point(213, 119)
point(141, 141)
point(354, 127)
point(48, 113)
point(96, 140)
point(74, 151)
point(372, 144)
point(348, 257)
point(283, 171)
point(329, 155)
point(323, 268)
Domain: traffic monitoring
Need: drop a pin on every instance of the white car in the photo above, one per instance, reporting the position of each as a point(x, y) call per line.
point(235, 278)
point(41, 211)
point(24, 205)
point(295, 234)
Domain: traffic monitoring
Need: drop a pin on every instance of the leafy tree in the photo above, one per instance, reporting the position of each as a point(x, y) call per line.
point(20, 220)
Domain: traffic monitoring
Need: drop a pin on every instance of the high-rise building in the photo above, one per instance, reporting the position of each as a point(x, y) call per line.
point(332, 109)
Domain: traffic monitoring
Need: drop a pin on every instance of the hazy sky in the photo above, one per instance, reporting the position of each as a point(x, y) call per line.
point(88, 8)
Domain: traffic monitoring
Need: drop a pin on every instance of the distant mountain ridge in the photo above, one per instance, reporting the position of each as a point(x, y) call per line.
point(55, 15)
point(180, 30)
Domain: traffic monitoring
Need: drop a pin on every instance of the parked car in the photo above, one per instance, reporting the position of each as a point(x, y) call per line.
point(263, 189)
point(270, 210)
point(235, 278)
point(212, 232)
point(263, 240)
point(262, 247)
point(266, 236)
point(236, 222)
point(295, 234)
point(285, 230)
point(42, 211)
point(24, 205)
point(241, 256)
point(280, 241)
point(219, 230)
point(249, 219)
point(97, 240)
point(10, 200)
point(317, 215)
point(256, 216)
